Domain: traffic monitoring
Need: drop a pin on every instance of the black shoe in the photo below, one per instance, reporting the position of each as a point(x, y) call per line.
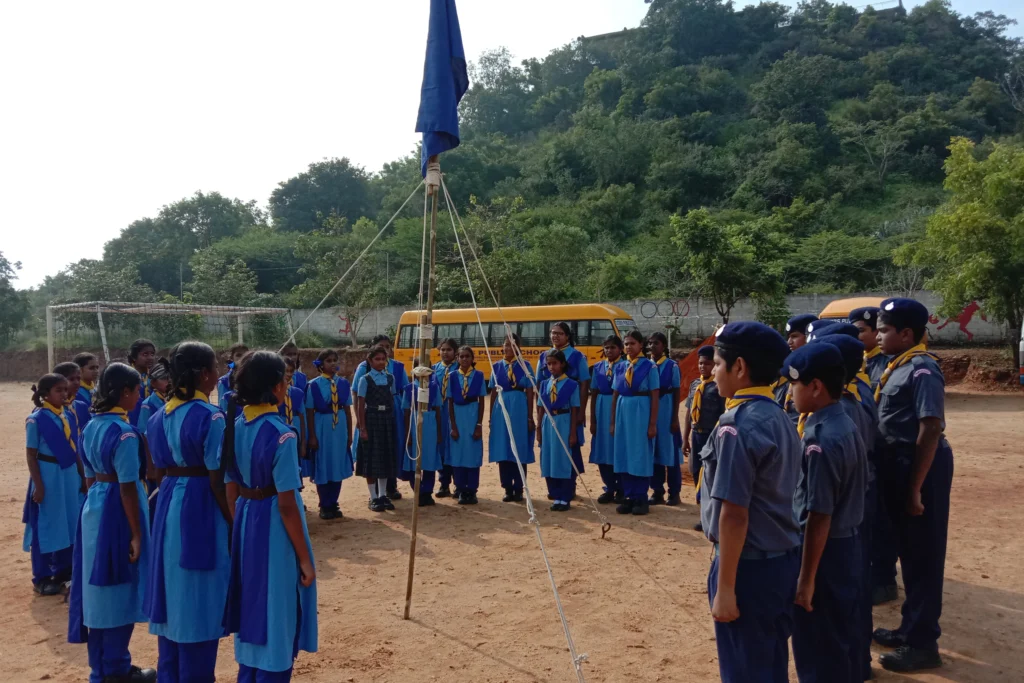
point(889, 638)
point(394, 495)
point(656, 499)
point(641, 508)
point(471, 496)
point(426, 500)
point(50, 587)
point(457, 493)
point(376, 505)
point(606, 498)
point(625, 507)
point(551, 497)
point(905, 659)
point(559, 507)
point(517, 497)
point(444, 492)
point(386, 502)
point(673, 500)
point(698, 527)
point(620, 497)
point(883, 594)
point(326, 513)
point(134, 675)
point(510, 496)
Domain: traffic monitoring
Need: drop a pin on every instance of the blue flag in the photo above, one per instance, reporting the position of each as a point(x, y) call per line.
point(444, 82)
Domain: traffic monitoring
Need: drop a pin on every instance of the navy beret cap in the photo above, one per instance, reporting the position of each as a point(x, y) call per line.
point(753, 337)
point(851, 349)
point(903, 313)
point(706, 351)
point(799, 323)
point(867, 314)
point(811, 361)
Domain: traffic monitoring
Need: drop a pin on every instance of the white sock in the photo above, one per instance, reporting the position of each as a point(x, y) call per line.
point(372, 485)
point(382, 485)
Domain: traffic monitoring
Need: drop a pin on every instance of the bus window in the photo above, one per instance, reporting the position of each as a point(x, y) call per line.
point(405, 337)
point(535, 334)
point(471, 336)
point(581, 328)
point(599, 329)
point(496, 334)
point(443, 332)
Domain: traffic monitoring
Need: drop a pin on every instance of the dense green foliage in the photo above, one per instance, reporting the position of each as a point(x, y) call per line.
point(711, 151)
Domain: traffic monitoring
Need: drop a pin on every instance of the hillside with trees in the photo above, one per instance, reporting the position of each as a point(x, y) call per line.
point(712, 151)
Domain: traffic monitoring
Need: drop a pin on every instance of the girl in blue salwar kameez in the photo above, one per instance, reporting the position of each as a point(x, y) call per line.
point(141, 356)
point(560, 396)
point(329, 427)
point(293, 410)
point(112, 551)
point(466, 416)
point(668, 444)
point(89, 365)
point(516, 386)
point(576, 369)
point(602, 443)
point(635, 424)
point(443, 371)
point(188, 580)
point(431, 460)
point(271, 606)
point(159, 379)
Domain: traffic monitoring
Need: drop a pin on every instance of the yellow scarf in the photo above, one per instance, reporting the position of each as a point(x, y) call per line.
point(64, 423)
point(898, 362)
point(868, 355)
point(744, 395)
point(629, 370)
point(553, 396)
point(176, 402)
point(610, 372)
point(145, 384)
point(511, 373)
point(698, 399)
point(466, 376)
point(334, 397)
point(288, 406)
point(853, 390)
point(801, 424)
point(780, 382)
point(444, 380)
point(88, 386)
point(252, 412)
point(121, 413)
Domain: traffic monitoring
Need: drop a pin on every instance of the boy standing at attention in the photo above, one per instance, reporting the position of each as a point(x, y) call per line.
point(866, 321)
point(751, 466)
point(704, 406)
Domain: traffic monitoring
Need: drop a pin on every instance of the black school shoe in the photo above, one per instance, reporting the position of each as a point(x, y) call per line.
point(517, 497)
point(625, 507)
point(606, 498)
point(386, 502)
point(889, 637)
point(468, 498)
point(444, 492)
point(134, 675)
point(656, 499)
point(698, 527)
point(641, 508)
point(883, 594)
point(673, 500)
point(905, 659)
point(426, 499)
point(48, 587)
point(394, 495)
point(377, 505)
point(559, 507)
point(510, 496)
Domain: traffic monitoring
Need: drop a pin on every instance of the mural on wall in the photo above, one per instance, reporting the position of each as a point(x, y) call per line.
point(346, 326)
point(963, 319)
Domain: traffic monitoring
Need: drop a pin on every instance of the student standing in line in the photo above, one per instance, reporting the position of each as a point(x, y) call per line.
point(751, 466)
point(52, 446)
point(703, 407)
point(559, 395)
point(293, 410)
point(401, 380)
point(76, 409)
point(466, 417)
point(271, 608)
point(602, 443)
point(90, 366)
point(141, 355)
point(916, 477)
point(235, 354)
point(866, 321)
point(634, 425)
point(329, 437)
point(829, 505)
point(796, 336)
point(376, 416)
point(517, 394)
point(187, 587)
point(432, 437)
point(443, 371)
point(159, 380)
point(112, 555)
point(668, 454)
point(291, 356)
point(563, 339)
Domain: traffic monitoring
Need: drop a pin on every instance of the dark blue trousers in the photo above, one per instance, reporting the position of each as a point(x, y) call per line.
point(827, 640)
point(754, 648)
point(328, 493)
point(633, 487)
point(108, 652)
point(444, 475)
point(247, 674)
point(697, 442)
point(563, 490)
point(45, 565)
point(508, 471)
point(466, 478)
point(675, 479)
point(884, 552)
point(186, 662)
point(426, 481)
point(922, 543)
point(867, 617)
point(609, 478)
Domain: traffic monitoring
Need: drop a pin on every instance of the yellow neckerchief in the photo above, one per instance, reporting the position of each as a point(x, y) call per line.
point(629, 370)
point(163, 396)
point(466, 376)
point(899, 361)
point(698, 399)
point(445, 378)
point(121, 413)
point(288, 406)
point(553, 396)
point(144, 376)
point(334, 396)
point(660, 362)
point(852, 388)
point(744, 395)
point(511, 373)
point(872, 353)
point(610, 371)
point(59, 412)
point(88, 386)
point(801, 424)
point(252, 412)
point(176, 402)
point(780, 382)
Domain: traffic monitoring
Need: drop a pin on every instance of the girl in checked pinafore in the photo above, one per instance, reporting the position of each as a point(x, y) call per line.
point(375, 413)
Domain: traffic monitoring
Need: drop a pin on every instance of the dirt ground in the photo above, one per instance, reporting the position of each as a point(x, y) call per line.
point(483, 609)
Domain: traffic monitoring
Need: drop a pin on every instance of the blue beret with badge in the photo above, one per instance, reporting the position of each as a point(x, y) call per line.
point(820, 328)
point(752, 337)
point(811, 362)
point(706, 351)
point(902, 313)
point(799, 323)
point(851, 349)
point(867, 314)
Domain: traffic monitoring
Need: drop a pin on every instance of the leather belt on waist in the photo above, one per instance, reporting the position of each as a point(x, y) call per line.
point(754, 554)
point(198, 471)
point(105, 478)
point(638, 393)
point(563, 411)
point(381, 408)
point(46, 458)
point(515, 389)
point(257, 494)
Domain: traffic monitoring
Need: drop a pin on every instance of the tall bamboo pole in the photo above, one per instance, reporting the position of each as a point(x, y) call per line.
point(423, 397)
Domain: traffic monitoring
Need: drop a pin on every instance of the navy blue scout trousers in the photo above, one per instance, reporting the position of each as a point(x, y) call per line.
point(609, 478)
point(755, 647)
point(866, 529)
point(562, 489)
point(508, 471)
point(247, 674)
point(827, 640)
point(328, 494)
point(697, 443)
point(186, 662)
point(633, 487)
point(921, 541)
point(108, 652)
point(466, 478)
point(444, 475)
point(675, 479)
point(45, 565)
point(884, 552)
point(426, 480)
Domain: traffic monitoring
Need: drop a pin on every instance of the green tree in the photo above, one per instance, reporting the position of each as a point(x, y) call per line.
point(332, 187)
point(14, 311)
point(221, 281)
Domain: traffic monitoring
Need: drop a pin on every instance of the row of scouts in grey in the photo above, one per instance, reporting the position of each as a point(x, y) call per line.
point(827, 464)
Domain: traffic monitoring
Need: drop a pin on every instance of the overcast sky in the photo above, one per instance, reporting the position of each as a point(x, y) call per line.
point(114, 109)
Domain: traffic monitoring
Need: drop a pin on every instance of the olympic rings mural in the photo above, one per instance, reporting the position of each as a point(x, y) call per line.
point(665, 308)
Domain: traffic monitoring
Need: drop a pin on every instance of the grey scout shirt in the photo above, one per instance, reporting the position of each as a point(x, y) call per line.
point(864, 413)
point(712, 405)
point(833, 472)
point(753, 460)
point(914, 391)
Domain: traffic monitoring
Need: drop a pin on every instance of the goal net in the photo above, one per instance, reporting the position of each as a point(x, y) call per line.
point(110, 327)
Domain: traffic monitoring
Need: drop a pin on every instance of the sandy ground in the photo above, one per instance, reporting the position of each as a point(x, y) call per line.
point(483, 608)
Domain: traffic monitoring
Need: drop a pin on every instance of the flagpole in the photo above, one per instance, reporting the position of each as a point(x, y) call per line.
point(433, 182)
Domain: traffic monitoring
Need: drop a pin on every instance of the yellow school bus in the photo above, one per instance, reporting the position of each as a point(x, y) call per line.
point(591, 323)
point(840, 308)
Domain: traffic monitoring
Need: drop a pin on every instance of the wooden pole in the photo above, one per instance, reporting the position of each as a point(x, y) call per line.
point(423, 397)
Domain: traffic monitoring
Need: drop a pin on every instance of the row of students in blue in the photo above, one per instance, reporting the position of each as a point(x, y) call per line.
point(89, 367)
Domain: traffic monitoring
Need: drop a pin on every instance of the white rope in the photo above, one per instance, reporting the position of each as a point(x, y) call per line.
point(577, 659)
point(291, 338)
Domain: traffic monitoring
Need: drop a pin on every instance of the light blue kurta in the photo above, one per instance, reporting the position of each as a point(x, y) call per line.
point(554, 461)
point(195, 599)
point(500, 441)
point(120, 605)
point(666, 452)
point(431, 451)
point(440, 370)
point(634, 452)
point(465, 451)
point(285, 591)
point(149, 407)
point(58, 513)
point(334, 454)
point(602, 444)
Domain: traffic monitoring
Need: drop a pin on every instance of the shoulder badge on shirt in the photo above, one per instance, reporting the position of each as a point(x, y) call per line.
point(217, 416)
point(922, 371)
point(813, 448)
point(30, 420)
point(127, 435)
point(285, 436)
point(727, 429)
